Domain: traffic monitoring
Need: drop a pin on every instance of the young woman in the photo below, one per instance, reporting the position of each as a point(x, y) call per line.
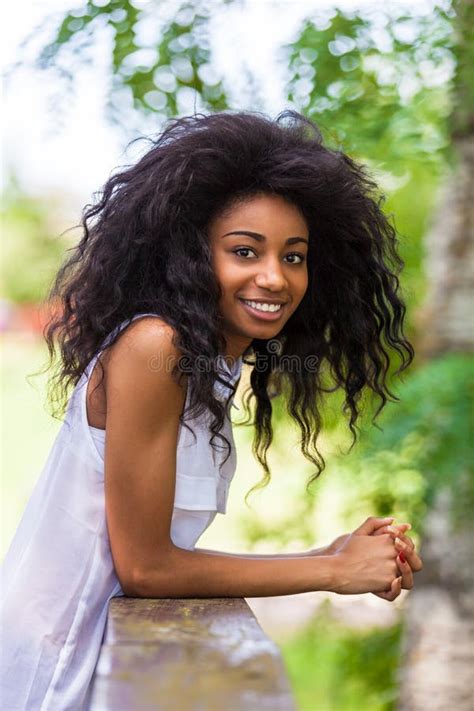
point(235, 239)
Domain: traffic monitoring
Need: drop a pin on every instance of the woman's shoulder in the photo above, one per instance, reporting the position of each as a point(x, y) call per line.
point(147, 328)
point(144, 335)
point(140, 366)
point(146, 347)
point(140, 359)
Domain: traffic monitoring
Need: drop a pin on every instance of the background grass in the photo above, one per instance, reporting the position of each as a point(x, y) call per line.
point(333, 668)
point(27, 429)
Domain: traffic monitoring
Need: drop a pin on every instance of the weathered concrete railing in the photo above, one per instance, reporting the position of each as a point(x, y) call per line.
point(188, 655)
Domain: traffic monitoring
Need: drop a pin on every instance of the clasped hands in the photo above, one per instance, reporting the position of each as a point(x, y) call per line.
point(407, 559)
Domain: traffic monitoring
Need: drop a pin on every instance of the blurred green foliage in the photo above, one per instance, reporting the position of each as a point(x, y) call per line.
point(157, 57)
point(411, 205)
point(420, 444)
point(334, 668)
point(32, 249)
point(425, 443)
point(376, 83)
point(462, 118)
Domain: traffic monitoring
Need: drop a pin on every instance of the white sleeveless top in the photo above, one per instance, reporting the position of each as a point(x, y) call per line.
point(58, 575)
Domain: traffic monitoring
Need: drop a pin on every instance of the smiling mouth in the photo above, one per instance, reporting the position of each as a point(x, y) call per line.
point(263, 310)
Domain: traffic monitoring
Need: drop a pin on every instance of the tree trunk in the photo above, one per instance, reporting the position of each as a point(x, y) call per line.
point(438, 653)
point(446, 322)
point(438, 656)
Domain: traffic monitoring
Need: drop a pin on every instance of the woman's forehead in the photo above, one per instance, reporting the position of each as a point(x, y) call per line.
point(261, 209)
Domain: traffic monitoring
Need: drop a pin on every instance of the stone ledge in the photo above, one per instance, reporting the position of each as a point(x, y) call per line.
point(192, 654)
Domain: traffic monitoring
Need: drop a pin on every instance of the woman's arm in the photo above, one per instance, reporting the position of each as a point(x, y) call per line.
point(143, 409)
point(212, 574)
point(384, 527)
point(365, 563)
point(305, 554)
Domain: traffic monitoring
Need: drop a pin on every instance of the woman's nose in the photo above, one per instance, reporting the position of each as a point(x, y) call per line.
point(271, 277)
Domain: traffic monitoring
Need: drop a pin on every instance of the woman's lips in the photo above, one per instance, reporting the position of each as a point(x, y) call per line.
point(263, 315)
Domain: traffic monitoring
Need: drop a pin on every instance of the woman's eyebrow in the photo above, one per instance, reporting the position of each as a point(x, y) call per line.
point(262, 238)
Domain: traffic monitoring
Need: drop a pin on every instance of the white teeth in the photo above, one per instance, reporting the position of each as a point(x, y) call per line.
point(263, 307)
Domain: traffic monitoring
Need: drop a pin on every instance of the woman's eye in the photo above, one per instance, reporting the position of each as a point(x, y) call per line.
point(243, 249)
point(247, 252)
point(299, 257)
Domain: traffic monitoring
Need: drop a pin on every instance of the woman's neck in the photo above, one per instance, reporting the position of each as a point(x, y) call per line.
point(235, 348)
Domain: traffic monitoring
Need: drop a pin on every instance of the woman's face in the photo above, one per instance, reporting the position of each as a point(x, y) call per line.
point(259, 251)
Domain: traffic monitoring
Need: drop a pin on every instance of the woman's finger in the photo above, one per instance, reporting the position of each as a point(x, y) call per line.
point(412, 557)
point(372, 524)
point(405, 543)
point(407, 540)
point(406, 571)
point(394, 592)
point(393, 529)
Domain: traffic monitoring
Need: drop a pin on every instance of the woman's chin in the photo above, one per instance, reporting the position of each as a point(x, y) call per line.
point(262, 333)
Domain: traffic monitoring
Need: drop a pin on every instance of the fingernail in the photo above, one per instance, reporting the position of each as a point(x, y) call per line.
point(401, 555)
point(400, 544)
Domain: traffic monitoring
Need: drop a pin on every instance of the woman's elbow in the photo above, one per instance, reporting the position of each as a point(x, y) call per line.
point(150, 582)
point(130, 582)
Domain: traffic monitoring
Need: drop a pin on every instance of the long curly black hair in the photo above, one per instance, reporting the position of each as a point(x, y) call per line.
point(145, 249)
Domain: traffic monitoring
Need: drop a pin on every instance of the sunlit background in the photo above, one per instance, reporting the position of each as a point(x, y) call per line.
point(391, 86)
